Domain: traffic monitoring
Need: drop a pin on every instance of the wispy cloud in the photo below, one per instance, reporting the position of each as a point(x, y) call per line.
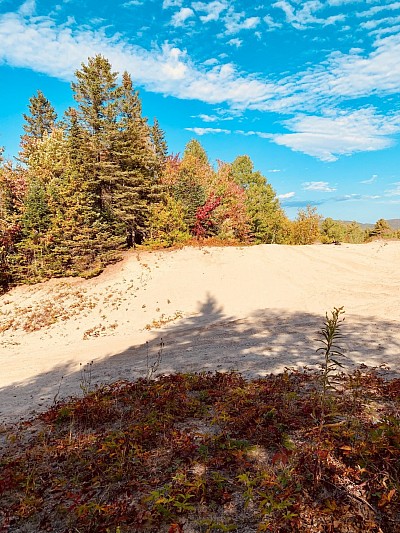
point(245, 133)
point(40, 44)
point(172, 3)
point(271, 23)
point(133, 3)
point(207, 131)
point(236, 22)
point(286, 195)
point(372, 179)
point(213, 118)
point(395, 191)
point(179, 18)
point(378, 9)
point(321, 186)
point(304, 16)
point(211, 10)
point(235, 42)
point(28, 8)
point(343, 133)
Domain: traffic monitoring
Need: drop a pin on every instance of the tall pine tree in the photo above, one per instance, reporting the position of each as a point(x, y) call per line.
point(41, 120)
point(134, 179)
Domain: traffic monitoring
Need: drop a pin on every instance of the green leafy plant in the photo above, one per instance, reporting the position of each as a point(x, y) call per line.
point(331, 334)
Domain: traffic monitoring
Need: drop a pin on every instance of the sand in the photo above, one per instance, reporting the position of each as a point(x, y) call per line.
point(252, 309)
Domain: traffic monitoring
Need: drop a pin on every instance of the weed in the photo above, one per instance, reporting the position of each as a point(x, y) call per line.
point(152, 367)
point(85, 382)
point(330, 333)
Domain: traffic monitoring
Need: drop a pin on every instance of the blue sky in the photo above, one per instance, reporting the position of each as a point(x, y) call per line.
point(309, 89)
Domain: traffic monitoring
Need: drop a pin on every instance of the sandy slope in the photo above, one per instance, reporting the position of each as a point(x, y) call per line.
point(254, 309)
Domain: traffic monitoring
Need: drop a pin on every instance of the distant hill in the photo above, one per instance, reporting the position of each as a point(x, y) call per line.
point(394, 223)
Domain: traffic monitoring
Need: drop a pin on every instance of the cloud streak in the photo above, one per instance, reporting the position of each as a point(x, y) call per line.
point(321, 186)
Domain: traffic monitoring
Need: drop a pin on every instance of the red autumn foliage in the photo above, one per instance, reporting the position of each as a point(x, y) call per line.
point(204, 221)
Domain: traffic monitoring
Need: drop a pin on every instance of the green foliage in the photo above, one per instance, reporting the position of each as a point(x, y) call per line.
point(40, 121)
point(168, 223)
point(332, 231)
point(42, 117)
point(96, 92)
point(331, 334)
point(266, 218)
point(381, 229)
point(191, 195)
point(337, 231)
point(195, 150)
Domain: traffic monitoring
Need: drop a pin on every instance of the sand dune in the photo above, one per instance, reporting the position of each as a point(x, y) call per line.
point(254, 309)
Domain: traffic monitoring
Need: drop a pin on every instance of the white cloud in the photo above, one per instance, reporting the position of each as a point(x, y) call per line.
point(261, 134)
point(212, 118)
point(207, 118)
point(27, 8)
point(272, 25)
point(372, 179)
point(246, 133)
point(377, 9)
point(212, 10)
point(236, 22)
point(274, 170)
point(371, 24)
point(301, 18)
point(133, 3)
point(395, 191)
point(322, 186)
point(352, 75)
point(179, 18)
point(206, 131)
point(235, 42)
point(172, 3)
point(343, 2)
point(343, 133)
point(286, 195)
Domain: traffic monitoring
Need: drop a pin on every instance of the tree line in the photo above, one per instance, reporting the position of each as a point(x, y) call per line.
point(100, 180)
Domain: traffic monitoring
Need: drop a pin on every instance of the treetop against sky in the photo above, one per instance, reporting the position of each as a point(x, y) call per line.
point(309, 89)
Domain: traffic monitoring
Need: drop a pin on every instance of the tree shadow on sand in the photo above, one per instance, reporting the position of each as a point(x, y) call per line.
point(265, 342)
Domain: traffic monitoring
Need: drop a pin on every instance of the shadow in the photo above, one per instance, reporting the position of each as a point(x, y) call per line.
point(266, 342)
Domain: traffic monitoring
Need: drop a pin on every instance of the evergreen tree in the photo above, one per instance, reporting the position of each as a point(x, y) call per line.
point(82, 239)
point(42, 117)
point(133, 179)
point(159, 143)
point(96, 93)
point(354, 233)
point(194, 149)
point(11, 193)
point(381, 229)
point(40, 121)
